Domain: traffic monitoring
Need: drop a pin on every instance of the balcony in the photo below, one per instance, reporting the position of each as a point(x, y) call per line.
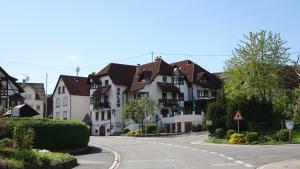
point(169, 102)
point(101, 105)
point(182, 118)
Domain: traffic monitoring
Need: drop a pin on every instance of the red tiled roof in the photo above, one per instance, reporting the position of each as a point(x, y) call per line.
point(76, 85)
point(102, 90)
point(120, 74)
point(159, 67)
point(168, 87)
point(194, 73)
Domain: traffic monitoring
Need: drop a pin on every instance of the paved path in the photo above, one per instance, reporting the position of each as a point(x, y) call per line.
point(189, 152)
point(95, 158)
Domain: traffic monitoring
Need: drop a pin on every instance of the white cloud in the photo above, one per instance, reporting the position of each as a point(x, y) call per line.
point(72, 58)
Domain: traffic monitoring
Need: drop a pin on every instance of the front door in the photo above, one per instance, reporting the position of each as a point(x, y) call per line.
point(102, 131)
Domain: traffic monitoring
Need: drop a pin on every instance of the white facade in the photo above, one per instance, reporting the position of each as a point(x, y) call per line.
point(30, 96)
point(67, 106)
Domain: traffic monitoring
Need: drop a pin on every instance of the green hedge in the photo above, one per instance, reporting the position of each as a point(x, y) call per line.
point(53, 134)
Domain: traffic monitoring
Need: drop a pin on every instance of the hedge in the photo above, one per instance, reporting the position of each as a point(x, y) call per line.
point(53, 134)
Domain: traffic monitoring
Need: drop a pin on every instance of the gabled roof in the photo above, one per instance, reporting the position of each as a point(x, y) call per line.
point(75, 85)
point(38, 87)
point(159, 67)
point(12, 79)
point(194, 73)
point(120, 74)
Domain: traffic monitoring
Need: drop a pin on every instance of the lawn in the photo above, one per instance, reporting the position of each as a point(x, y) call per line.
point(296, 135)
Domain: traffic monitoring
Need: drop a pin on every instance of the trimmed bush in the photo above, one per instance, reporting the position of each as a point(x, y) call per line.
point(151, 129)
point(7, 143)
point(283, 135)
point(229, 133)
point(126, 130)
point(251, 137)
point(53, 134)
point(220, 133)
point(237, 139)
point(138, 132)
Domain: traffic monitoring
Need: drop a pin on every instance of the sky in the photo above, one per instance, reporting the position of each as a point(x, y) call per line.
point(55, 36)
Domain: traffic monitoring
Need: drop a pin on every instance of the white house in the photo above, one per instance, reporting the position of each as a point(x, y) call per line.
point(183, 88)
point(35, 96)
point(71, 99)
point(10, 94)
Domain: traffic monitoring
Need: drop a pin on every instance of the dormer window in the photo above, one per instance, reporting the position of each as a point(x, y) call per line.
point(145, 76)
point(203, 80)
point(106, 83)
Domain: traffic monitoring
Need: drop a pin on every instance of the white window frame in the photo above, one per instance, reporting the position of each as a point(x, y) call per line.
point(65, 101)
point(57, 102)
point(57, 115)
point(65, 115)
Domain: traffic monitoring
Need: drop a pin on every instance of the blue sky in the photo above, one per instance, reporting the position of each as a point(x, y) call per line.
point(55, 36)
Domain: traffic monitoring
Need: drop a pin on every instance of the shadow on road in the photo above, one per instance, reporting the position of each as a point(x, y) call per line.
point(89, 150)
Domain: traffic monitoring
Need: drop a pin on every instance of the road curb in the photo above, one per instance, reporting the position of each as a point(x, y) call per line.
point(287, 164)
point(116, 163)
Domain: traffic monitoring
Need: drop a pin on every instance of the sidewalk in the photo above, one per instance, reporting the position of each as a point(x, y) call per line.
point(95, 158)
point(287, 164)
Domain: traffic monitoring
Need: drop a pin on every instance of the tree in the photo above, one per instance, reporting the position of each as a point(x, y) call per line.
point(138, 109)
point(2, 121)
point(257, 67)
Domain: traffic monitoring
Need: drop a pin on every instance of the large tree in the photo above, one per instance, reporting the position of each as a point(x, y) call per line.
point(257, 67)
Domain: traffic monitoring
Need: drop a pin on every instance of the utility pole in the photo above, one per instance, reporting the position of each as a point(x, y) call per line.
point(46, 101)
point(152, 55)
point(77, 70)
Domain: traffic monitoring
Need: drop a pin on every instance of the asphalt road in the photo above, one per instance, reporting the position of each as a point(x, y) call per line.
point(190, 152)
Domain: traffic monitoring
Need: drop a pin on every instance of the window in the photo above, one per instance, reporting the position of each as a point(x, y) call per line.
point(65, 115)
point(65, 101)
point(108, 115)
point(38, 107)
point(165, 79)
point(57, 102)
point(59, 90)
point(28, 96)
point(181, 97)
point(205, 93)
point(118, 97)
point(97, 116)
point(102, 115)
point(118, 91)
point(63, 89)
point(164, 96)
point(106, 82)
point(202, 93)
point(57, 115)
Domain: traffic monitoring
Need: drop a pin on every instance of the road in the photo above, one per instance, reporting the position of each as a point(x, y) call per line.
point(190, 152)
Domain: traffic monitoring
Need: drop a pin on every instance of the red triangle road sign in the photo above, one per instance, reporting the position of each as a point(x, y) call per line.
point(238, 116)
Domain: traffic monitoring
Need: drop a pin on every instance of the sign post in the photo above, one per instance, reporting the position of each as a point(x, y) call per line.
point(238, 116)
point(289, 124)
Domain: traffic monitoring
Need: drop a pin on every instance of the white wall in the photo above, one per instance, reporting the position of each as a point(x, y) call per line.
point(79, 107)
point(61, 107)
point(33, 102)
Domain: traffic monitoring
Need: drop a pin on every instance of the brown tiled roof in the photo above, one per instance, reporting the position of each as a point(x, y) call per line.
point(159, 67)
point(194, 73)
point(120, 74)
point(102, 90)
point(75, 85)
point(168, 87)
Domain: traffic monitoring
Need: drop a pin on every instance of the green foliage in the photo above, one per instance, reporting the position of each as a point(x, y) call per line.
point(257, 67)
point(53, 134)
point(151, 129)
point(237, 139)
point(138, 132)
point(137, 109)
point(216, 140)
point(220, 133)
point(283, 135)
point(251, 137)
point(23, 136)
point(6, 142)
point(126, 130)
point(229, 133)
point(131, 133)
point(11, 164)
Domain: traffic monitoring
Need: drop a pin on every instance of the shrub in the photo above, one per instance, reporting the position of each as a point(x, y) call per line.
point(7, 143)
point(23, 137)
point(7, 152)
point(237, 139)
point(126, 130)
point(283, 135)
point(229, 133)
point(251, 137)
point(197, 128)
point(53, 134)
point(220, 133)
point(210, 130)
point(138, 132)
point(11, 164)
point(131, 133)
point(151, 129)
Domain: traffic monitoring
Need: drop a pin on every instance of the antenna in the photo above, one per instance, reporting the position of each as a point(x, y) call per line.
point(26, 79)
point(77, 70)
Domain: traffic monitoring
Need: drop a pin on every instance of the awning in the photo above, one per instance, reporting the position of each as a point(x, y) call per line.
point(24, 110)
point(168, 87)
point(101, 91)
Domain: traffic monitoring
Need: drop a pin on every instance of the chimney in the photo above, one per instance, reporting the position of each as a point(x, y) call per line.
point(158, 58)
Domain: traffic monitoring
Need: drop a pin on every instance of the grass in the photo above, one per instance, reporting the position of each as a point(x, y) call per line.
point(56, 158)
point(296, 135)
point(216, 140)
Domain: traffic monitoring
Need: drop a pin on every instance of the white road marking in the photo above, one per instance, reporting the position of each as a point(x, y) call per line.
point(221, 155)
point(223, 164)
point(204, 151)
point(185, 147)
point(143, 161)
point(195, 149)
point(177, 146)
point(249, 165)
point(230, 158)
point(239, 162)
point(169, 144)
point(213, 153)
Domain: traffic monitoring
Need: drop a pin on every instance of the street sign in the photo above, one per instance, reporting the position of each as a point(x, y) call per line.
point(238, 116)
point(289, 124)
